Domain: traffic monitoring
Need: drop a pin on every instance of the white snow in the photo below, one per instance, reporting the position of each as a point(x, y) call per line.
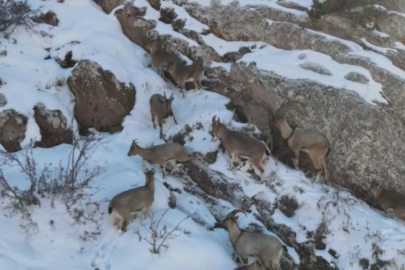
point(286, 63)
point(380, 34)
point(191, 23)
point(376, 48)
point(400, 46)
point(166, 29)
point(222, 46)
point(29, 79)
point(267, 3)
point(357, 50)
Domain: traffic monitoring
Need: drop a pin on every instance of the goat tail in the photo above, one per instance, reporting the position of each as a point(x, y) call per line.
point(110, 208)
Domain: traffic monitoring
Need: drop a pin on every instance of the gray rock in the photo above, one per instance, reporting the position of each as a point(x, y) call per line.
point(317, 68)
point(12, 129)
point(53, 127)
point(356, 77)
point(3, 100)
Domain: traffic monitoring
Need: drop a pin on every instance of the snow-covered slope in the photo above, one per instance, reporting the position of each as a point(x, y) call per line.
point(355, 229)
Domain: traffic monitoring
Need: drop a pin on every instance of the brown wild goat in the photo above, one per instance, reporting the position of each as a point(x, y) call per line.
point(161, 154)
point(240, 144)
point(266, 248)
point(133, 200)
point(390, 201)
point(181, 73)
point(161, 56)
point(309, 141)
point(161, 106)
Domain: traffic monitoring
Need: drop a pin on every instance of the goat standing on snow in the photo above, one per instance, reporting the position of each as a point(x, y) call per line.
point(309, 141)
point(161, 154)
point(240, 144)
point(181, 73)
point(161, 106)
point(133, 200)
point(266, 248)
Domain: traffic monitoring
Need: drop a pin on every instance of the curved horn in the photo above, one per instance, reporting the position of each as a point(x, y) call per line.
point(171, 95)
point(165, 94)
point(234, 212)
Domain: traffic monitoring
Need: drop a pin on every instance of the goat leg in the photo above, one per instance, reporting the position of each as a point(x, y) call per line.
point(232, 159)
point(296, 159)
point(174, 118)
point(153, 119)
point(163, 170)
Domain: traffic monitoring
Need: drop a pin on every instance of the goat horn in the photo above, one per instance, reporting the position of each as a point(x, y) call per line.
point(165, 94)
point(171, 95)
point(234, 212)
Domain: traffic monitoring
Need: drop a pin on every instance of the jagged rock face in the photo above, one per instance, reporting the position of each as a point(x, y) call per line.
point(361, 149)
point(53, 126)
point(102, 101)
point(134, 26)
point(12, 130)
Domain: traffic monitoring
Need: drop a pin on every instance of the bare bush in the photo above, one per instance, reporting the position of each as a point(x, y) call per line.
point(159, 236)
point(68, 182)
point(15, 13)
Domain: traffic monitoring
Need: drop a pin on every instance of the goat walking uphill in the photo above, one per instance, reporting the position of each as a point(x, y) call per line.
point(309, 141)
point(161, 56)
point(266, 248)
point(161, 107)
point(161, 154)
point(390, 201)
point(239, 144)
point(133, 200)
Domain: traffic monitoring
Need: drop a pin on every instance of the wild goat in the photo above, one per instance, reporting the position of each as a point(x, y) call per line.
point(239, 144)
point(161, 56)
point(390, 201)
point(257, 115)
point(161, 154)
point(266, 248)
point(161, 106)
point(309, 141)
point(133, 200)
point(181, 73)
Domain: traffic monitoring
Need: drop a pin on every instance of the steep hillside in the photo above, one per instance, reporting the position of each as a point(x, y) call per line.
point(81, 78)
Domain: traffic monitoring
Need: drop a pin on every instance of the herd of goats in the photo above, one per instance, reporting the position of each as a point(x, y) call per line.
point(265, 248)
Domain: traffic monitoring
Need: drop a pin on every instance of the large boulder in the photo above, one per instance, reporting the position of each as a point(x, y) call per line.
point(53, 127)
point(102, 101)
point(109, 5)
point(12, 129)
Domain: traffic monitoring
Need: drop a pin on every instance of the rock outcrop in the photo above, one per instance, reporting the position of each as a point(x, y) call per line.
point(53, 126)
point(12, 130)
point(102, 101)
point(47, 18)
